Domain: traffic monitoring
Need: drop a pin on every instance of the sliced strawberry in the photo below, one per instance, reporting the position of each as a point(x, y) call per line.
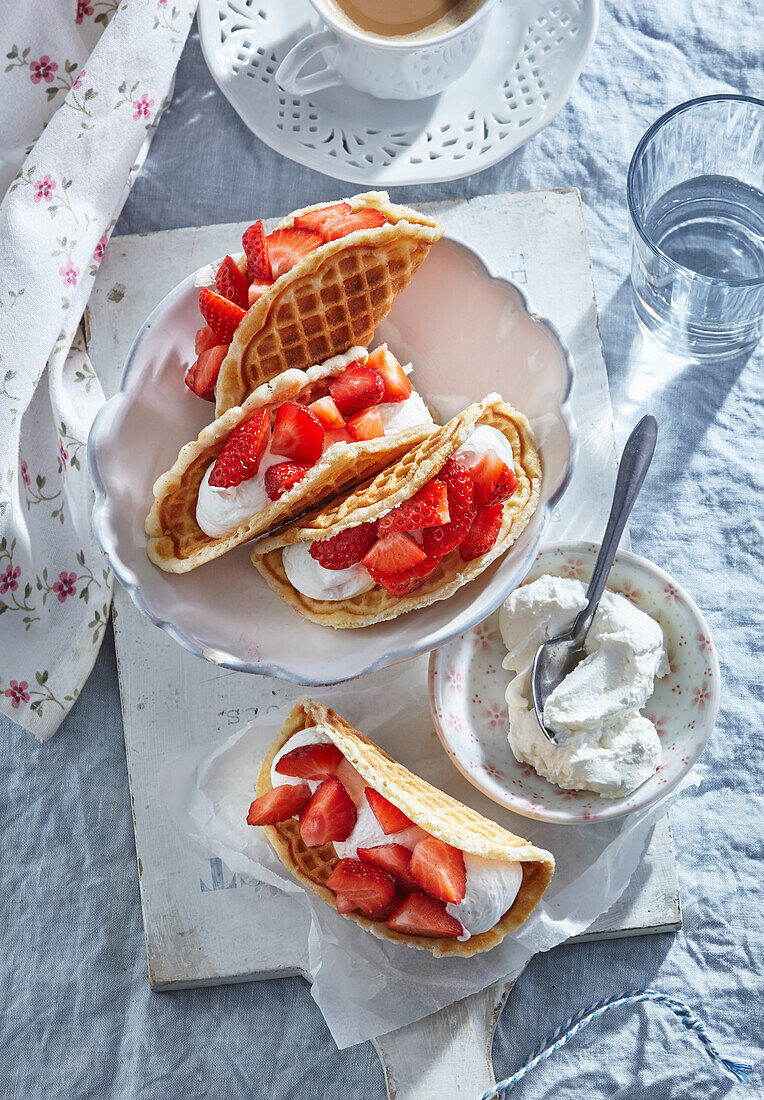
point(279, 804)
point(310, 761)
point(356, 388)
point(366, 424)
point(286, 247)
point(329, 815)
point(341, 224)
point(483, 532)
point(439, 541)
point(394, 553)
point(369, 888)
point(297, 434)
point(231, 283)
point(390, 818)
point(281, 478)
point(419, 915)
point(256, 290)
point(256, 251)
point(397, 385)
point(345, 549)
point(427, 508)
point(439, 869)
point(493, 480)
point(316, 219)
point(327, 413)
point(344, 904)
point(222, 316)
point(393, 858)
point(203, 374)
point(205, 339)
point(240, 458)
point(401, 584)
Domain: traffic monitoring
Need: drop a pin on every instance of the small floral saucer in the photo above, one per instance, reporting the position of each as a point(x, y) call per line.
point(467, 685)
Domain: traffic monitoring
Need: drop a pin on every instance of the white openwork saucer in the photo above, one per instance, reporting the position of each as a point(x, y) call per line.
point(533, 54)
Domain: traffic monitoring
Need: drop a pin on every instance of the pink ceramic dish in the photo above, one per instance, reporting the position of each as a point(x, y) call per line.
point(467, 331)
point(467, 685)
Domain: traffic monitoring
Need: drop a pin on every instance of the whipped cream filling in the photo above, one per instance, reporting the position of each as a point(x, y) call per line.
point(607, 746)
point(220, 512)
point(313, 580)
point(492, 885)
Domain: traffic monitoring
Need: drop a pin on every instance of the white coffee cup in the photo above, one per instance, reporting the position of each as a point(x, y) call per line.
point(409, 68)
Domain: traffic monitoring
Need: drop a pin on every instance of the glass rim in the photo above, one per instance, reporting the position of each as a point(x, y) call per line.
point(636, 220)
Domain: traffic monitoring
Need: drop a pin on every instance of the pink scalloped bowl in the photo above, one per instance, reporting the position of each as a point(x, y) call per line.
point(467, 685)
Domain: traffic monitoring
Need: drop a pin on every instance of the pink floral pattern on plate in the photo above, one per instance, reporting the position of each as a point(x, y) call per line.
point(467, 687)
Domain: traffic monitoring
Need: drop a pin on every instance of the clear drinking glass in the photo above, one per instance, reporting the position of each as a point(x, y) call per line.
point(696, 202)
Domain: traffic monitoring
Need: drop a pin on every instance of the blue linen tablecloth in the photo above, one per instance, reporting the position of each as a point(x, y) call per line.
point(78, 1018)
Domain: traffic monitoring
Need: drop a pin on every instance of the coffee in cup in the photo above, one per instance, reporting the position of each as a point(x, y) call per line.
point(398, 19)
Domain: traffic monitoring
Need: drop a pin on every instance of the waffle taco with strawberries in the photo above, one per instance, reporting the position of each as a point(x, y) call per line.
point(295, 443)
point(387, 850)
point(319, 284)
point(429, 523)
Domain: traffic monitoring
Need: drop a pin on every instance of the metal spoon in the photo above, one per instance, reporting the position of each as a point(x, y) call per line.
point(557, 657)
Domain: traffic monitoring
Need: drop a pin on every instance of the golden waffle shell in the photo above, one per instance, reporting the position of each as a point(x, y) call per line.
point(176, 542)
point(388, 489)
point(433, 810)
point(332, 299)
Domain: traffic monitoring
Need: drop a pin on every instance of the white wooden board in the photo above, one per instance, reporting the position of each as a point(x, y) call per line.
point(205, 925)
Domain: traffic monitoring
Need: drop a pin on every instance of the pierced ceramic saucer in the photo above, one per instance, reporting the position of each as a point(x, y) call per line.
point(467, 685)
point(533, 55)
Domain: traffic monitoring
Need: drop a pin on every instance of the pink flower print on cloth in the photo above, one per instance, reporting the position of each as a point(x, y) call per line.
point(70, 273)
point(65, 586)
point(42, 70)
point(84, 7)
point(17, 693)
point(100, 248)
point(25, 474)
point(9, 580)
point(78, 82)
point(43, 189)
point(142, 107)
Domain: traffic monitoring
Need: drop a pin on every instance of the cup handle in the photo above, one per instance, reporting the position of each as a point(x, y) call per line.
point(288, 73)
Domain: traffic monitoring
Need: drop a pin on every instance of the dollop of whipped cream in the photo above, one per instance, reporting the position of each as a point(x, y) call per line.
point(485, 438)
point(492, 885)
point(607, 745)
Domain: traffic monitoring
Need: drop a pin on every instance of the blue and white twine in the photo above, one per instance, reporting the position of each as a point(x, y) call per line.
point(571, 1027)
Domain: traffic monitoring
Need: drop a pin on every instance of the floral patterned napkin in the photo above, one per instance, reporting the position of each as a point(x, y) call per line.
point(81, 93)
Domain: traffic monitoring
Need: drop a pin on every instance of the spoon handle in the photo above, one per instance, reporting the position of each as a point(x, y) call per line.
point(635, 462)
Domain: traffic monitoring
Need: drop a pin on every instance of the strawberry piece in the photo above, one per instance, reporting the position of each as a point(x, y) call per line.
point(341, 224)
point(439, 869)
point(205, 339)
point(366, 424)
point(279, 804)
point(297, 434)
point(397, 385)
point(231, 283)
point(330, 814)
point(439, 541)
point(202, 375)
point(222, 316)
point(286, 247)
point(317, 219)
point(401, 584)
point(256, 290)
point(394, 553)
point(369, 888)
point(310, 761)
point(256, 251)
point(356, 388)
point(345, 549)
point(483, 532)
point(419, 915)
point(393, 858)
point(281, 478)
point(493, 480)
point(427, 508)
point(390, 818)
point(327, 413)
point(344, 904)
point(240, 458)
